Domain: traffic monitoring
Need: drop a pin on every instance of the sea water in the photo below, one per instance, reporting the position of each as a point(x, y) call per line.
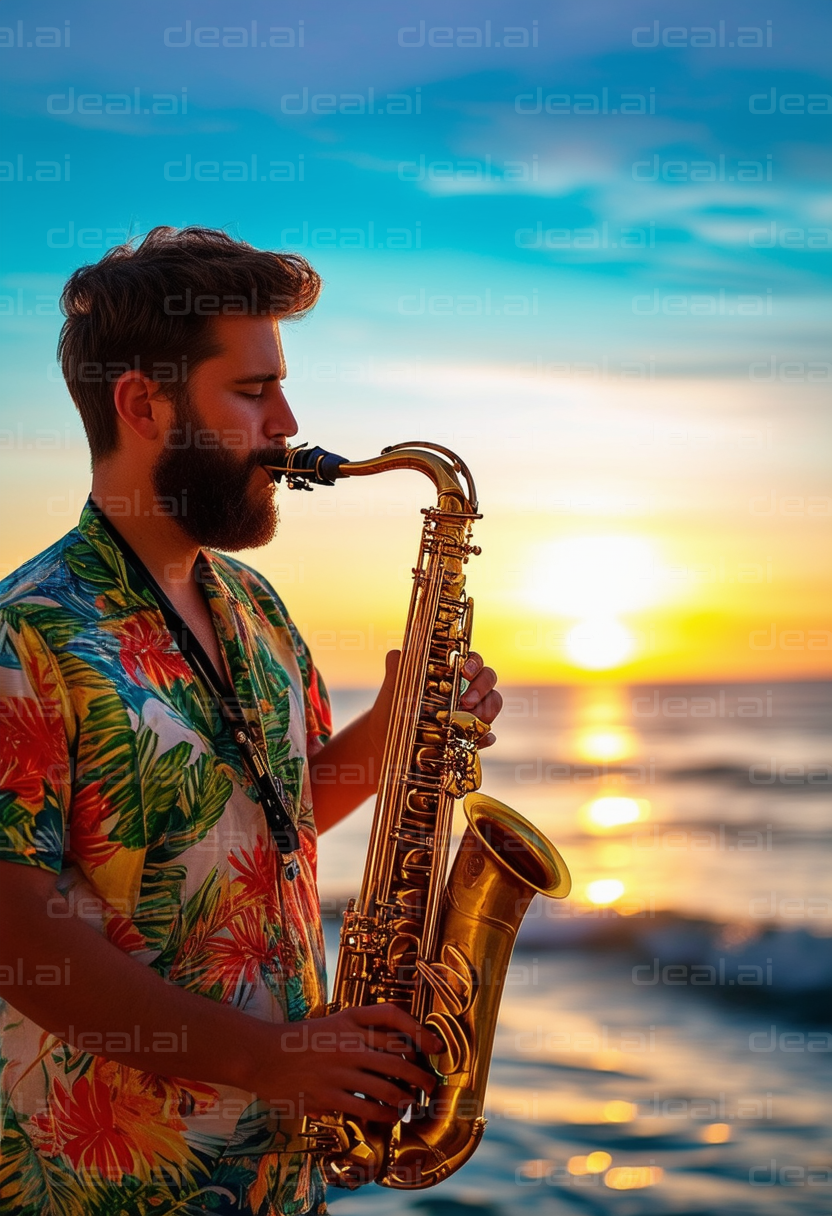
point(665, 1036)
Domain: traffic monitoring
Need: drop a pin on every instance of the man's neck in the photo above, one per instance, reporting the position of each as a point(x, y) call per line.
point(135, 512)
point(169, 555)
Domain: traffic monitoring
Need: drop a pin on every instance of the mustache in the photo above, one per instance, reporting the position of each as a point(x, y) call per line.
point(264, 456)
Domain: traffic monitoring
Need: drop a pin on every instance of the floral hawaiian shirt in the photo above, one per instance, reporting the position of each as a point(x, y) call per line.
point(118, 774)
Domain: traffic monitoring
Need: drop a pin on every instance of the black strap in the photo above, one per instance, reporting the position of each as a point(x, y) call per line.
point(270, 788)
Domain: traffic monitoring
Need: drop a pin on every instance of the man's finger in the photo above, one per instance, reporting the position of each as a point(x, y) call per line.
point(480, 687)
point(488, 709)
point(397, 1068)
point(389, 1015)
point(350, 1104)
point(391, 664)
point(473, 664)
point(385, 1091)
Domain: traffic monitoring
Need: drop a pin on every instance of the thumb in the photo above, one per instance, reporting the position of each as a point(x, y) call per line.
point(391, 667)
point(382, 707)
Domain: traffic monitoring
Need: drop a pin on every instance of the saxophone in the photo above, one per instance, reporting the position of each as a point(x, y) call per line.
point(436, 944)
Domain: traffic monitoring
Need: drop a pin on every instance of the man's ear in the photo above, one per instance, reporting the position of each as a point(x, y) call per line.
point(141, 404)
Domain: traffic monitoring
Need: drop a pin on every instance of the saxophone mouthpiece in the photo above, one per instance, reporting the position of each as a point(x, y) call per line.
point(305, 467)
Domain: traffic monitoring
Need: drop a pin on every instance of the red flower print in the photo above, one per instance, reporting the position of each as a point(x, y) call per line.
point(318, 715)
point(87, 1130)
point(122, 932)
point(145, 649)
point(117, 1120)
point(237, 959)
point(34, 749)
point(87, 840)
point(308, 845)
point(257, 883)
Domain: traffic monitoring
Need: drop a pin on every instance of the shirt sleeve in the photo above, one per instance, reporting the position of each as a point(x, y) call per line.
point(315, 695)
point(318, 709)
point(34, 748)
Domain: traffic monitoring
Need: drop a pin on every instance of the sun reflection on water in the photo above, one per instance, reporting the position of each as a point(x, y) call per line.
point(593, 1163)
point(613, 811)
point(716, 1133)
point(619, 1112)
point(633, 1177)
point(605, 743)
point(605, 891)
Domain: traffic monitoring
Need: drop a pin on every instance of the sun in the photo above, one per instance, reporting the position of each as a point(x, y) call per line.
point(595, 579)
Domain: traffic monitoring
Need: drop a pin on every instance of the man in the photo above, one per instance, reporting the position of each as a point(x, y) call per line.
point(156, 943)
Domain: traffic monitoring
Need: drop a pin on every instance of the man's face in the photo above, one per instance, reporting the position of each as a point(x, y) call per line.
point(229, 422)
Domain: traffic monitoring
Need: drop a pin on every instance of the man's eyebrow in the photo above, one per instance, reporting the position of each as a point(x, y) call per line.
point(258, 378)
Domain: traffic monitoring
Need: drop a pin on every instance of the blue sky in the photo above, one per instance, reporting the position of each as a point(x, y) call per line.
point(551, 184)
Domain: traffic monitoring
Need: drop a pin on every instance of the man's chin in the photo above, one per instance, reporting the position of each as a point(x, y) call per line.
point(249, 527)
point(258, 529)
point(254, 537)
point(228, 507)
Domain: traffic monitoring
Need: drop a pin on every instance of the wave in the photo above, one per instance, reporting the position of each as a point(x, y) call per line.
point(765, 965)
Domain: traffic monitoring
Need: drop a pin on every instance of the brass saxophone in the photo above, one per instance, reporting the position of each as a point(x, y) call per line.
point(436, 944)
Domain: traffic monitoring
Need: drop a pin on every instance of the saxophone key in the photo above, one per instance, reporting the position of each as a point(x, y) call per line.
point(430, 736)
point(419, 803)
point(416, 862)
point(439, 687)
point(417, 836)
point(428, 759)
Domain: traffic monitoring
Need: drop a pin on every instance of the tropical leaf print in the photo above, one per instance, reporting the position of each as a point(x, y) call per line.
point(161, 781)
point(106, 745)
point(183, 958)
point(160, 904)
point(192, 705)
point(31, 1183)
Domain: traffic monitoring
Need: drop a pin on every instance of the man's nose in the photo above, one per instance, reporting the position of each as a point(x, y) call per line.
point(280, 420)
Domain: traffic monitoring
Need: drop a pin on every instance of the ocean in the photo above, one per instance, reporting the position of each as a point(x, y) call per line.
point(665, 1037)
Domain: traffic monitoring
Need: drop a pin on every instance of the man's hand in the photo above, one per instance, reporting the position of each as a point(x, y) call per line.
point(345, 771)
point(369, 1051)
point(480, 697)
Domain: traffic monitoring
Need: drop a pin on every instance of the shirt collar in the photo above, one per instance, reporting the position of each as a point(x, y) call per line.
point(125, 588)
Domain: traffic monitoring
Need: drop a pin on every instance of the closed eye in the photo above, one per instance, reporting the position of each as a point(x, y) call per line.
point(252, 396)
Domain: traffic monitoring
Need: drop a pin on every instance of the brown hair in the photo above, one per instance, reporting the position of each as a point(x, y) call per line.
point(149, 306)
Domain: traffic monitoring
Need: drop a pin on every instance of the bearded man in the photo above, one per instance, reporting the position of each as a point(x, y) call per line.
point(161, 935)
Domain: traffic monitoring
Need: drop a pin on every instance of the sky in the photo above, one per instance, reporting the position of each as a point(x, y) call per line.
point(588, 247)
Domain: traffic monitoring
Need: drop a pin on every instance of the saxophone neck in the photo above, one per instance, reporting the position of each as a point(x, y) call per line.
point(441, 465)
point(305, 467)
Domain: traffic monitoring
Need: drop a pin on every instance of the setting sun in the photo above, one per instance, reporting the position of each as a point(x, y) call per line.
point(595, 579)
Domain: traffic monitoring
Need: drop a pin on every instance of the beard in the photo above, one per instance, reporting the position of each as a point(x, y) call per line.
point(221, 507)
